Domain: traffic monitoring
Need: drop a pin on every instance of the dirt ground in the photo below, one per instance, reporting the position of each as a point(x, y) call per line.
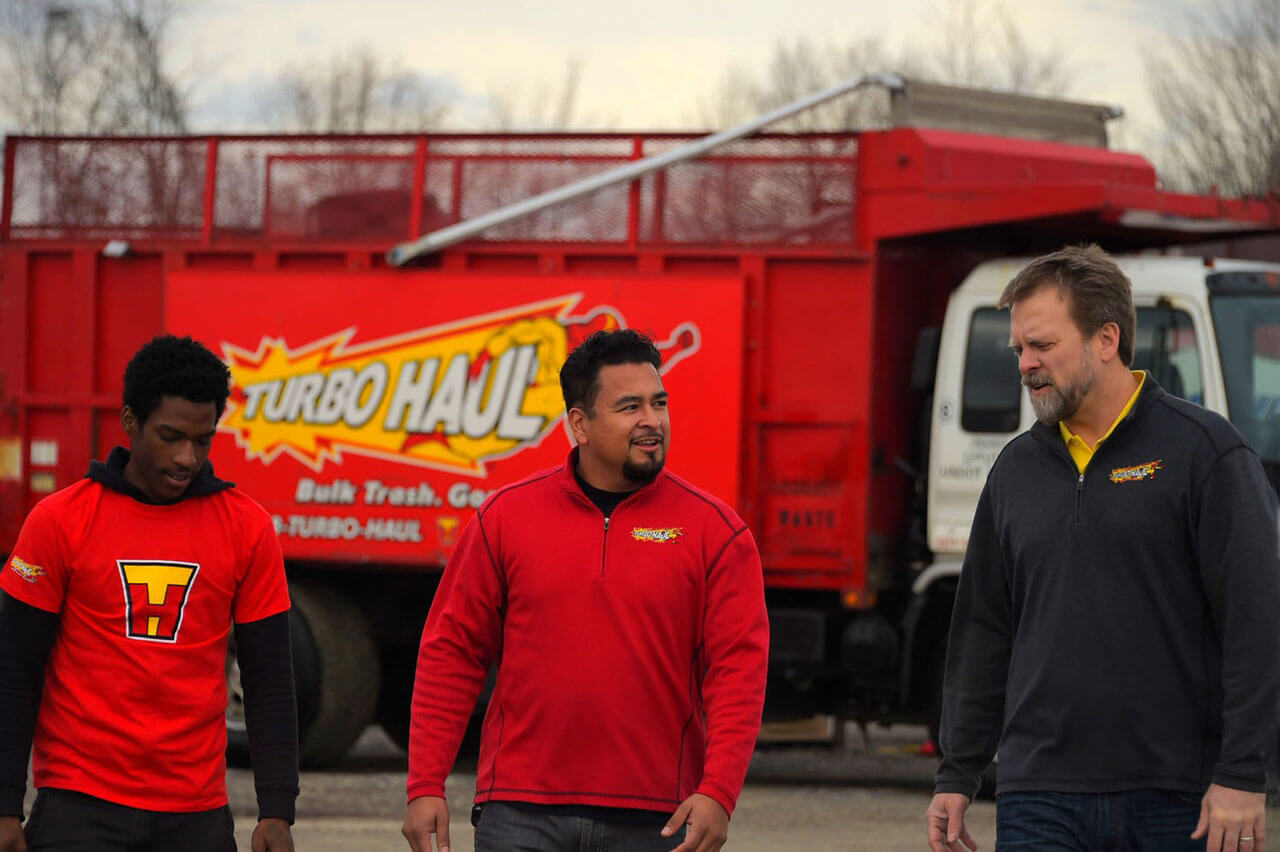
point(867, 795)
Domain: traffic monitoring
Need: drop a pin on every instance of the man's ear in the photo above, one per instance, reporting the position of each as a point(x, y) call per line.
point(1108, 338)
point(578, 424)
point(129, 421)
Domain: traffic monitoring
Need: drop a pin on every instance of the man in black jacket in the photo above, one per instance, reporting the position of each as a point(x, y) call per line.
point(1114, 628)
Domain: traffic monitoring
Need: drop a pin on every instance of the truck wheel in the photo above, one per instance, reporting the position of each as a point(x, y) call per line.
point(933, 694)
point(304, 682)
point(398, 668)
point(336, 669)
point(237, 733)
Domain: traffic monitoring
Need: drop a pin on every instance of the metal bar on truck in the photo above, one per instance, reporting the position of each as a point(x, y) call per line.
point(437, 240)
point(210, 190)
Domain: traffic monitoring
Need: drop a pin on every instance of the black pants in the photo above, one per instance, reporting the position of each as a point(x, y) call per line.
point(66, 821)
point(503, 828)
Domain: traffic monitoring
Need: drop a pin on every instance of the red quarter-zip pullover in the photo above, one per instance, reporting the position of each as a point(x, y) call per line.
point(632, 649)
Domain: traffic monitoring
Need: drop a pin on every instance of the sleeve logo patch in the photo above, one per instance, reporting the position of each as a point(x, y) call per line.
point(664, 534)
point(155, 597)
point(25, 570)
point(1146, 470)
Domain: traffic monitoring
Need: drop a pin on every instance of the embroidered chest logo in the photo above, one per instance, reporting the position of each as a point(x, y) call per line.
point(1146, 470)
point(25, 570)
point(664, 534)
point(155, 596)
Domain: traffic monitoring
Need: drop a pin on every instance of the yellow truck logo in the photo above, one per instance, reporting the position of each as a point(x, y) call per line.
point(449, 396)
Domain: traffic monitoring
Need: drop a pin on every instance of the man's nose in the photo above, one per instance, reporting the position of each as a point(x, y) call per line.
point(1028, 361)
point(187, 455)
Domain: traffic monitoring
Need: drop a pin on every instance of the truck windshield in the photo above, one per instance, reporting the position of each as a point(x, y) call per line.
point(1246, 314)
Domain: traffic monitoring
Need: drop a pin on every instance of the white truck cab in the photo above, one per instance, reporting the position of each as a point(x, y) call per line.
point(1208, 331)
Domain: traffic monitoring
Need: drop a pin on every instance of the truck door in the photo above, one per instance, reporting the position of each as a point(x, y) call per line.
point(979, 405)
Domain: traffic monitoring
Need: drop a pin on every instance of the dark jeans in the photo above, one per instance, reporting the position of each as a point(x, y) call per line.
point(1132, 821)
point(65, 821)
point(503, 828)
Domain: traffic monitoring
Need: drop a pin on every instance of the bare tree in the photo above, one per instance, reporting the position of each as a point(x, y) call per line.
point(353, 92)
point(1216, 85)
point(980, 45)
point(798, 69)
point(539, 106)
point(90, 66)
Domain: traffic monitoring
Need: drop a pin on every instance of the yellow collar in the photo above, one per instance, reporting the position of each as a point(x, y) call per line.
point(1080, 451)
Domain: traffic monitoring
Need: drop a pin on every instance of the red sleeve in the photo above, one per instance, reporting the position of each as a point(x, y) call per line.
point(736, 654)
point(459, 642)
point(262, 590)
point(38, 570)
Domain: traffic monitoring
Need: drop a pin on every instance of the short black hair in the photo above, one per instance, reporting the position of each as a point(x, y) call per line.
point(174, 366)
point(580, 375)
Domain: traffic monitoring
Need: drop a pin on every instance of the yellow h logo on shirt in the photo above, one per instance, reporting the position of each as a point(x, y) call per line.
point(155, 596)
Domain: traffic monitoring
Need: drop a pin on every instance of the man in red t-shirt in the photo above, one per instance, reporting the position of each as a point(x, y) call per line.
point(115, 609)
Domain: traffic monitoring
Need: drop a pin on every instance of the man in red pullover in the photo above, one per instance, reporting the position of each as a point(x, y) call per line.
point(625, 609)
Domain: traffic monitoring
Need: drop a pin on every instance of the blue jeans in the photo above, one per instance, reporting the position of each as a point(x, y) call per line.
point(1131, 821)
point(503, 828)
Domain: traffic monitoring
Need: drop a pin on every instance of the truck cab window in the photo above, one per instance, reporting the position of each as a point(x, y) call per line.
point(1248, 325)
point(992, 394)
point(1166, 348)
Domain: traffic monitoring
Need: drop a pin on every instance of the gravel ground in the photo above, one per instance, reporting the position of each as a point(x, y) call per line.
point(868, 795)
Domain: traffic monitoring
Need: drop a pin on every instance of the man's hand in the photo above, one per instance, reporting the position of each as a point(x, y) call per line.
point(427, 815)
point(708, 823)
point(11, 837)
point(271, 835)
point(945, 816)
point(1232, 819)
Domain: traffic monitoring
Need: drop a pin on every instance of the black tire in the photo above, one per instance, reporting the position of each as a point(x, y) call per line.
point(237, 734)
point(394, 704)
point(398, 669)
point(337, 670)
point(933, 690)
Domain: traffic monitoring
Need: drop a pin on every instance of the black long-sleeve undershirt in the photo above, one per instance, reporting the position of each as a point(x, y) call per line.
point(271, 713)
point(26, 638)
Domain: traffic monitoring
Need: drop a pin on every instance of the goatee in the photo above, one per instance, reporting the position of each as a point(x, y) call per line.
point(642, 473)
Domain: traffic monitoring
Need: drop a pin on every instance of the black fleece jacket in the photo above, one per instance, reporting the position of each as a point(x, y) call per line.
point(27, 635)
point(1116, 630)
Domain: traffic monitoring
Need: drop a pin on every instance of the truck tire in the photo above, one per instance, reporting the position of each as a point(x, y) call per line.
point(337, 671)
point(398, 669)
point(394, 703)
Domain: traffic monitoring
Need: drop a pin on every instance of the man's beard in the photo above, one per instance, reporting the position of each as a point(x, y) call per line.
point(1061, 402)
point(642, 473)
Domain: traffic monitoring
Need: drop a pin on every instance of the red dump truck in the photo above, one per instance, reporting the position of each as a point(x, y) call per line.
point(796, 284)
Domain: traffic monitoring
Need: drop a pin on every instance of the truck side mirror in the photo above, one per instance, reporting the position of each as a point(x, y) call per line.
point(924, 364)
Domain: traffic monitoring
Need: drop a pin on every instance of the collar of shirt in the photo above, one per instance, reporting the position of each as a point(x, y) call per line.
point(1080, 451)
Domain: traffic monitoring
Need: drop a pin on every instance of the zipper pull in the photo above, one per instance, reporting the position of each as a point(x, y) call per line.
point(606, 524)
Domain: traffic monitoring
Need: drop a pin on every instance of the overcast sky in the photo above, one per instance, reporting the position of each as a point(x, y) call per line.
point(644, 65)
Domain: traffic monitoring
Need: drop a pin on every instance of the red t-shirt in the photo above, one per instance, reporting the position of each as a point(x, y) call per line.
point(135, 694)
